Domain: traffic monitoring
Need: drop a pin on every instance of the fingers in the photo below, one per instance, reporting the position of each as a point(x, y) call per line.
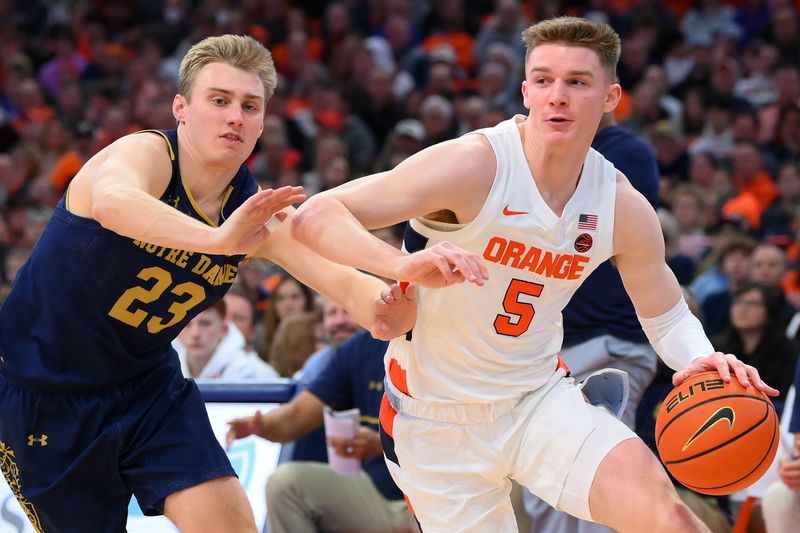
point(347, 447)
point(758, 383)
point(469, 266)
point(272, 200)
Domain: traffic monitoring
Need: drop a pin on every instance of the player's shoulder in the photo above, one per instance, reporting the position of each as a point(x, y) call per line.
point(631, 206)
point(146, 145)
point(472, 153)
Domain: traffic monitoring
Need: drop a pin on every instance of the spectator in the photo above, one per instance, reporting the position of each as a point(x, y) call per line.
point(295, 339)
point(308, 496)
point(689, 207)
point(211, 349)
point(781, 503)
point(337, 326)
point(240, 311)
point(757, 334)
point(289, 297)
point(731, 263)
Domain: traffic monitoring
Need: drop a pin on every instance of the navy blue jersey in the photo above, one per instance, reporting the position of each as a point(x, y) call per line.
point(601, 306)
point(92, 308)
point(354, 378)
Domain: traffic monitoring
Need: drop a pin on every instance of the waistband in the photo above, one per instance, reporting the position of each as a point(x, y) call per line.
point(462, 413)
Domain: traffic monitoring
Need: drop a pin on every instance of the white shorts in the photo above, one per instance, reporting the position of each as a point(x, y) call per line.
point(455, 462)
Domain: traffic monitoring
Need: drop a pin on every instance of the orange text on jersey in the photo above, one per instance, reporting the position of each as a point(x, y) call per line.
point(542, 262)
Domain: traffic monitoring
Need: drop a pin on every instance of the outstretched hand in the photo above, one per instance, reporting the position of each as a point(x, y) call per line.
point(395, 312)
point(442, 265)
point(246, 228)
point(727, 365)
point(240, 428)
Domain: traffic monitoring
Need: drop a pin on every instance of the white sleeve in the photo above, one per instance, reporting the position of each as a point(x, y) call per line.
point(677, 336)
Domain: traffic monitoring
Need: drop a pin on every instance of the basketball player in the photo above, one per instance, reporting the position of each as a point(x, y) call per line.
point(93, 407)
point(475, 393)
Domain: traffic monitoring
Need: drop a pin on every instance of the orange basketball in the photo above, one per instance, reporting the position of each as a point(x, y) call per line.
point(716, 437)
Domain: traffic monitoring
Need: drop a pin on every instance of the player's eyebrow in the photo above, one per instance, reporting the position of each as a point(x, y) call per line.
point(548, 70)
point(230, 93)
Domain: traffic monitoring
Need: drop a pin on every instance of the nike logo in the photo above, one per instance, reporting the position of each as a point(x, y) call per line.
point(509, 213)
point(723, 413)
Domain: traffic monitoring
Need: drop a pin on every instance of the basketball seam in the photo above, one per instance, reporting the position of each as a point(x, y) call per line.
point(668, 424)
point(720, 445)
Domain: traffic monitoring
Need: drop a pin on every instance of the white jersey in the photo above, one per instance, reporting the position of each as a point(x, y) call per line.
point(483, 344)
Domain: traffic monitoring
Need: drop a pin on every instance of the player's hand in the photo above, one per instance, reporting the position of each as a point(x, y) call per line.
point(442, 265)
point(246, 228)
point(727, 365)
point(395, 312)
point(240, 428)
point(366, 444)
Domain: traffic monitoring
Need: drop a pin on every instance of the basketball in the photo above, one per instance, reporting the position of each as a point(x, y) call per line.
point(715, 437)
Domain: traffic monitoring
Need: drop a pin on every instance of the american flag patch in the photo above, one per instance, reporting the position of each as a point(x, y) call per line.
point(587, 222)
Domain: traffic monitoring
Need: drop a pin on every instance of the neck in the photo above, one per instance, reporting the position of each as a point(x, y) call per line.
point(206, 179)
point(197, 363)
point(750, 340)
point(555, 171)
point(606, 121)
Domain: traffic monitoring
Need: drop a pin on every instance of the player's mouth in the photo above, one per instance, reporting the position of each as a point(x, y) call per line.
point(232, 137)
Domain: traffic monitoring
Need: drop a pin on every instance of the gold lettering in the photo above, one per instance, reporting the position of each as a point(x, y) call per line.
point(202, 264)
point(230, 273)
point(172, 256)
point(211, 274)
point(184, 258)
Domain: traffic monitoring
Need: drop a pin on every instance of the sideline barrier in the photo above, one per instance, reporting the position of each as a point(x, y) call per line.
point(253, 458)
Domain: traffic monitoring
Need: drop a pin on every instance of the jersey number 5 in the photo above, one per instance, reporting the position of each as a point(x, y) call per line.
point(521, 312)
point(163, 281)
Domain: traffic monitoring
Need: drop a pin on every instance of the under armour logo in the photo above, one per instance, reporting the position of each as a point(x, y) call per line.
point(41, 440)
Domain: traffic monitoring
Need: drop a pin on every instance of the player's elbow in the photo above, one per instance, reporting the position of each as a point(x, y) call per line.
point(104, 208)
point(310, 218)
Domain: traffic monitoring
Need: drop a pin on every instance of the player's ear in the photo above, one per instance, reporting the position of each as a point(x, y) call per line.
point(613, 95)
point(524, 90)
point(179, 107)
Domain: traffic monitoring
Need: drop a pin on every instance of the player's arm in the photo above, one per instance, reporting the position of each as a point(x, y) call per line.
point(287, 422)
point(120, 188)
point(675, 333)
point(364, 296)
point(454, 176)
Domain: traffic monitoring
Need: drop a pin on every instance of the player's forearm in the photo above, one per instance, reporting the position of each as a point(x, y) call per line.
point(326, 226)
point(133, 213)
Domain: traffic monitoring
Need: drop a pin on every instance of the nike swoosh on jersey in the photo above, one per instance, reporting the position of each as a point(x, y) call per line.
point(509, 213)
point(723, 413)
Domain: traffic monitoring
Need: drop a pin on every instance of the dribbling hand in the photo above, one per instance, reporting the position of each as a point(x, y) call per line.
point(727, 365)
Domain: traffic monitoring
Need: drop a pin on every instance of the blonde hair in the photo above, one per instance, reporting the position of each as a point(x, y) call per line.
point(239, 51)
point(573, 31)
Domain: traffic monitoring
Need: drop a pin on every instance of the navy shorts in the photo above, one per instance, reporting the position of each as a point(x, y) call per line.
point(74, 459)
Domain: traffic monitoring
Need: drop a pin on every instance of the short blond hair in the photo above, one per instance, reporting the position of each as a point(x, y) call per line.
point(239, 51)
point(573, 31)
